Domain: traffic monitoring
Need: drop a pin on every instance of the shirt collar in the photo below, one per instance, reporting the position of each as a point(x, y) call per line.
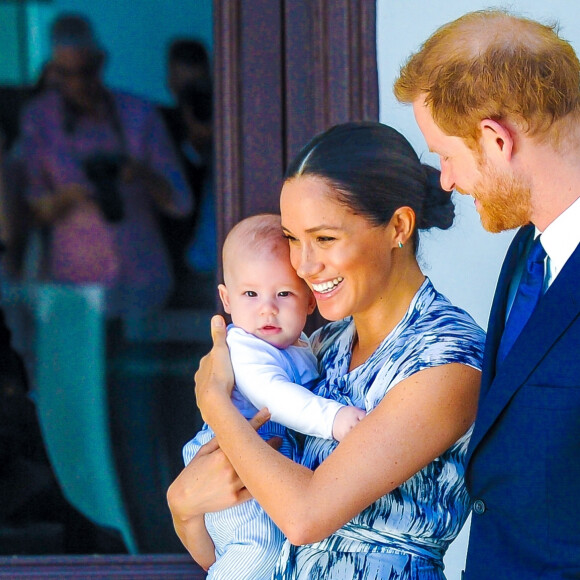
point(562, 236)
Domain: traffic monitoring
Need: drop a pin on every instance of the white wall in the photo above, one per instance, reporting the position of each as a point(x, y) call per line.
point(462, 262)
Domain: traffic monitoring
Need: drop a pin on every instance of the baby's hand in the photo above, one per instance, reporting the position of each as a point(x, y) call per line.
point(345, 420)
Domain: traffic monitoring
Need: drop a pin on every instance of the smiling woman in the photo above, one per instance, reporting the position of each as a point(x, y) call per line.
point(332, 256)
point(377, 200)
point(389, 498)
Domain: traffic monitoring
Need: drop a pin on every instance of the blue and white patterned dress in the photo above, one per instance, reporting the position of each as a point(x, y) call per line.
point(404, 534)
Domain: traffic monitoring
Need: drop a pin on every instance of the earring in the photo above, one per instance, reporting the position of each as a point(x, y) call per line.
point(400, 245)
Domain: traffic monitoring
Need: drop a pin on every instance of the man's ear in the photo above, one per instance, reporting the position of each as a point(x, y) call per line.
point(224, 297)
point(496, 139)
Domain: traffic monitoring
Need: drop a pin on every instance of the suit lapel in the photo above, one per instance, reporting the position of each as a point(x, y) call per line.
point(496, 322)
point(557, 309)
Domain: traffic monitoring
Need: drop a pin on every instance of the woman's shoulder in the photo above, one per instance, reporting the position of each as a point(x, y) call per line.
point(43, 110)
point(436, 310)
point(443, 332)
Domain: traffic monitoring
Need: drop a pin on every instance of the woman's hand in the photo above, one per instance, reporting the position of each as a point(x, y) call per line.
point(155, 184)
point(214, 380)
point(207, 484)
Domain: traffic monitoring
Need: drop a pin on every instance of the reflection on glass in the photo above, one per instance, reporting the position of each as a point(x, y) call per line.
point(110, 330)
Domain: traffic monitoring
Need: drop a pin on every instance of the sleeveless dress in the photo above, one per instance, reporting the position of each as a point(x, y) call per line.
point(404, 534)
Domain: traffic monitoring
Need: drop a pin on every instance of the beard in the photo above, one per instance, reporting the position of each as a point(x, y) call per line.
point(505, 201)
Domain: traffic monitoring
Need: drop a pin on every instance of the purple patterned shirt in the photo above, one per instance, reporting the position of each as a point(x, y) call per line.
point(129, 256)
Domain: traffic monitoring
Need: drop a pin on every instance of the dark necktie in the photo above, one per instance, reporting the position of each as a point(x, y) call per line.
point(527, 296)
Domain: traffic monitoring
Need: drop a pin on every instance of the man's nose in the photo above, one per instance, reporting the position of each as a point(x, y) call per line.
point(447, 179)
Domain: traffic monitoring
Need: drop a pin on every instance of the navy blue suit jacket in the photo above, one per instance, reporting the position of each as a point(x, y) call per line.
point(523, 469)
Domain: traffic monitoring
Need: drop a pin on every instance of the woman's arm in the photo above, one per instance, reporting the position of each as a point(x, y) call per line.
point(196, 539)
point(416, 422)
point(160, 170)
point(207, 484)
point(50, 207)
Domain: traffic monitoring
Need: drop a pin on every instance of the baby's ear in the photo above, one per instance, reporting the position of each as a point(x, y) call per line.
point(224, 297)
point(311, 302)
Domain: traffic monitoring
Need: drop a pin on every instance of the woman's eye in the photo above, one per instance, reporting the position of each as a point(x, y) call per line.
point(324, 239)
point(290, 238)
point(250, 293)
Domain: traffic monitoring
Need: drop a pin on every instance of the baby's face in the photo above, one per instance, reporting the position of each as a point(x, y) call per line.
point(266, 298)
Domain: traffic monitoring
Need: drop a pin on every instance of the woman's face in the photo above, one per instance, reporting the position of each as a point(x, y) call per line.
point(342, 256)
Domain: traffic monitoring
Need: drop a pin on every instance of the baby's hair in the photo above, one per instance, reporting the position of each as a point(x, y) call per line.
point(259, 234)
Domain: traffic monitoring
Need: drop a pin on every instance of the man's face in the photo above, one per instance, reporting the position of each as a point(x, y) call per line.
point(182, 75)
point(503, 200)
point(77, 72)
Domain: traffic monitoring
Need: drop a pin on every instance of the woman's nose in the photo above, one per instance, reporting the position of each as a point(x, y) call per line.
point(305, 261)
point(308, 265)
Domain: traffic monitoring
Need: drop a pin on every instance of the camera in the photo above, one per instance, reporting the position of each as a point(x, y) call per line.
point(103, 170)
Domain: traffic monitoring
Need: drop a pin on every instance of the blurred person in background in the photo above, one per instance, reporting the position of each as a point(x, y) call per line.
point(98, 165)
point(192, 240)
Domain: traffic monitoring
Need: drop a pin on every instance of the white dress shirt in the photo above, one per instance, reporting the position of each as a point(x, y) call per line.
point(560, 239)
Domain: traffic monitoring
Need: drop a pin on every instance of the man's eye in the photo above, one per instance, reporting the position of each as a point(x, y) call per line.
point(250, 293)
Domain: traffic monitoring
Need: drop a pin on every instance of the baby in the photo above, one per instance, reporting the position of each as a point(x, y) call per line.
point(274, 368)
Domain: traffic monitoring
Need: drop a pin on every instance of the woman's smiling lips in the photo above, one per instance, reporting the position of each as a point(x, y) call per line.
point(326, 290)
point(328, 286)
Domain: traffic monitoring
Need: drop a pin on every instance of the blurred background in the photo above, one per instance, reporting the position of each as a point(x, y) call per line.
point(135, 34)
point(106, 401)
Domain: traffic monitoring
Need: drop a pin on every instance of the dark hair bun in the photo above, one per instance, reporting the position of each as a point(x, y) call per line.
point(438, 208)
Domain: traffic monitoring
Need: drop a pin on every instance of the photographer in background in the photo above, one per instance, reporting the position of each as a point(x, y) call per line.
point(192, 240)
point(99, 164)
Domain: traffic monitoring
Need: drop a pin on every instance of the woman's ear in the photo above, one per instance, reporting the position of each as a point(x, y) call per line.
point(496, 139)
point(224, 297)
point(403, 225)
